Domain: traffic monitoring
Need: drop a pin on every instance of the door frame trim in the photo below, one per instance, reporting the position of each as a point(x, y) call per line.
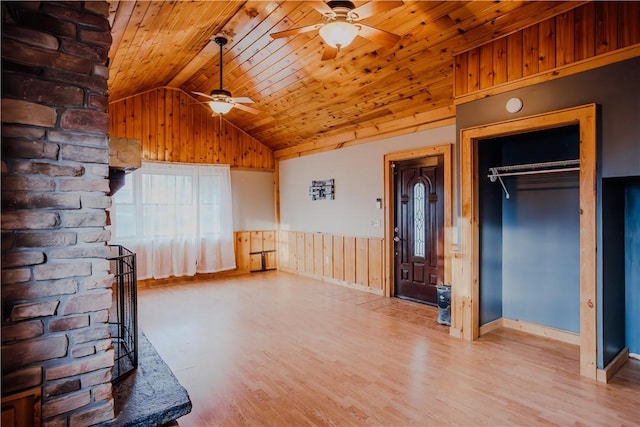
point(466, 297)
point(389, 209)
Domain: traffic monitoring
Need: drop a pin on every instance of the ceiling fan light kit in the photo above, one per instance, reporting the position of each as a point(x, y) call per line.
point(221, 101)
point(339, 28)
point(338, 34)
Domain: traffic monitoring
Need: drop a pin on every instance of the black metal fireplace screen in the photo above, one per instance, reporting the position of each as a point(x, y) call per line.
point(123, 316)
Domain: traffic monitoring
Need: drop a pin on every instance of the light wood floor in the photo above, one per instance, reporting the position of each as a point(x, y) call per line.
point(275, 349)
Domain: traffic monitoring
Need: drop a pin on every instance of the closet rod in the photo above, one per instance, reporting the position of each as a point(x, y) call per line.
point(560, 163)
point(496, 173)
point(534, 172)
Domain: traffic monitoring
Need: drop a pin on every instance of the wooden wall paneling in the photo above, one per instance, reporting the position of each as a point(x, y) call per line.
point(179, 144)
point(606, 26)
point(500, 61)
point(514, 56)
point(564, 38)
point(290, 241)
point(174, 128)
point(151, 124)
point(199, 137)
point(473, 70)
point(530, 50)
point(486, 66)
point(255, 249)
point(169, 132)
point(161, 128)
point(192, 138)
point(362, 261)
point(308, 253)
point(136, 118)
point(268, 240)
point(282, 249)
point(349, 257)
point(243, 247)
point(547, 45)
point(327, 254)
point(294, 259)
point(130, 126)
point(628, 23)
point(460, 74)
point(584, 22)
point(218, 131)
point(256, 241)
point(375, 263)
point(338, 258)
point(318, 263)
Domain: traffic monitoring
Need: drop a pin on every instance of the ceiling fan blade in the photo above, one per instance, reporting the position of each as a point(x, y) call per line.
point(202, 94)
point(329, 53)
point(320, 6)
point(374, 7)
point(296, 31)
point(382, 37)
point(245, 108)
point(242, 100)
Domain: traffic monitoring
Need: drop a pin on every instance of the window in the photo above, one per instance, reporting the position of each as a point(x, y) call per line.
point(418, 220)
point(177, 218)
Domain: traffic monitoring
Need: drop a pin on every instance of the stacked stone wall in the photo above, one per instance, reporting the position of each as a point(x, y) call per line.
point(56, 285)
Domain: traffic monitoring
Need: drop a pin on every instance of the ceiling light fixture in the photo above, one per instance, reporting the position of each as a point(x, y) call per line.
point(339, 34)
point(220, 107)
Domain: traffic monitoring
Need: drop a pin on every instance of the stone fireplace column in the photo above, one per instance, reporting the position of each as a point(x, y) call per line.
point(57, 354)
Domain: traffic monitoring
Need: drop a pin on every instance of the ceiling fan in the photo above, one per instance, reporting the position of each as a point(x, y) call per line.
point(221, 100)
point(341, 24)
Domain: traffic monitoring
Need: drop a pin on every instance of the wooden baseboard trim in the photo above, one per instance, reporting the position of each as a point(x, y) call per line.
point(605, 375)
point(353, 286)
point(151, 283)
point(335, 281)
point(455, 333)
point(542, 330)
point(491, 326)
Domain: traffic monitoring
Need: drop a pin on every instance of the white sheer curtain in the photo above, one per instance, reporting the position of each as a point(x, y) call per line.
point(177, 218)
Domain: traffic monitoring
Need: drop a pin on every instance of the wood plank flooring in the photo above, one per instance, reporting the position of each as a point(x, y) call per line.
point(276, 349)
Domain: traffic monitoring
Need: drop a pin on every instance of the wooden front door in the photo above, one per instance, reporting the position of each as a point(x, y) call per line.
point(419, 228)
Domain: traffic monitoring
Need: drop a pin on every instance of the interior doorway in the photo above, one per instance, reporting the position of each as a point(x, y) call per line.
point(467, 295)
point(419, 228)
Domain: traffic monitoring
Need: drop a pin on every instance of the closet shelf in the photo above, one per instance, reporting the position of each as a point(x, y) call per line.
point(495, 173)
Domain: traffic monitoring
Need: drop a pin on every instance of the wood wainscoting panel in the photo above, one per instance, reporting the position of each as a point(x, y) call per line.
point(253, 248)
point(346, 260)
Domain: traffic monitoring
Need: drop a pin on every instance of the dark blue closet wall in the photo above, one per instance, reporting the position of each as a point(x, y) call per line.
point(530, 243)
point(632, 267)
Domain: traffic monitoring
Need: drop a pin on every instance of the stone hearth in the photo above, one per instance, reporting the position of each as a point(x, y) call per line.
point(150, 395)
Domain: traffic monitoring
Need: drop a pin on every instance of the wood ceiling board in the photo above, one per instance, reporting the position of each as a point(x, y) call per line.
point(233, 52)
point(301, 98)
point(210, 48)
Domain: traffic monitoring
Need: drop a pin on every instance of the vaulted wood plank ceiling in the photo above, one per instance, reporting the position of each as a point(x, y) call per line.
point(366, 89)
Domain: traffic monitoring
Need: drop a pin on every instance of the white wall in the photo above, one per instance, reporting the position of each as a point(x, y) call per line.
point(253, 200)
point(359, 180)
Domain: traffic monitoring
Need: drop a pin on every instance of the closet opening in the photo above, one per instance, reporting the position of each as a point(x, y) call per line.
point(529, 232)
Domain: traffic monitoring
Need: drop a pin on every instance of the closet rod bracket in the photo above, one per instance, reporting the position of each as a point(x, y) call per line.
point(495, 175)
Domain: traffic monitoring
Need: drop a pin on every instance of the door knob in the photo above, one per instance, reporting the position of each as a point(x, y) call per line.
point(396, 239)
